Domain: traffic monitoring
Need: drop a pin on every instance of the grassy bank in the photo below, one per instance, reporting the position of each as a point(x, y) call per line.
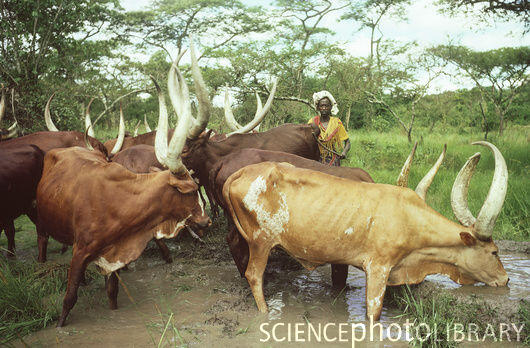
point(453, 320)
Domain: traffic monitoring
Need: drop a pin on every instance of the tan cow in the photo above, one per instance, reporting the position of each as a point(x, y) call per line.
point(387, 231)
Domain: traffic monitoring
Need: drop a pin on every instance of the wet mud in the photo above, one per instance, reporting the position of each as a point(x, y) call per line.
point(200, 300)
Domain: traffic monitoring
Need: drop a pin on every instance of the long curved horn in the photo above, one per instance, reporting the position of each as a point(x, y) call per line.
point(426, 182)
point(13, 126)
point(147, 128)
point(459, 191)
point(88, 121)
point(136, 128)
point(205, 106)
point(47, 116)
point(403, 178)
point(121, 134)
point(2, 103)
point(497, 193)
point(259, 115)
point(170, 156)
point(259, 107)
point(229, 115)
point(173, 88)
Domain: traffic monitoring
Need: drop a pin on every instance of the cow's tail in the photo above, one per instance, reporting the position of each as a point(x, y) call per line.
point(228, 201)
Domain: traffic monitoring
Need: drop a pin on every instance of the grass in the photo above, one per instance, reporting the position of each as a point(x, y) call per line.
point(31, 296)
point(440, 313)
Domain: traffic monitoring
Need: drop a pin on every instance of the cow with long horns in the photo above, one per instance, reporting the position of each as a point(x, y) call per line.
point(387, 231)
point(109, 213)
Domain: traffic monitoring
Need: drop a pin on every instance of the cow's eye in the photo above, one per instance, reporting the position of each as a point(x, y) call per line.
point(495, 253)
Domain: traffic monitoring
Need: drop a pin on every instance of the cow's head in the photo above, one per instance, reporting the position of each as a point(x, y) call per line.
point(479, 262)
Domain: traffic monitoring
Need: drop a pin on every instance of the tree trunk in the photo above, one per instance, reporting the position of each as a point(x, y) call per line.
point(348, 117)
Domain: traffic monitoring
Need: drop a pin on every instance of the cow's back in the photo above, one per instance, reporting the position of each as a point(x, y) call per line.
point(138, 158)
point(47, 141)
point(237, 160)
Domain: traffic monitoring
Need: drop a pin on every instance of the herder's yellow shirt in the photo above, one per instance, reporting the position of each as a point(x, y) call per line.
point(332, 136)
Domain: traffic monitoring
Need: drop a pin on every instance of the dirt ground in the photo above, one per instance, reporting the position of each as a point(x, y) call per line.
point(200, 300)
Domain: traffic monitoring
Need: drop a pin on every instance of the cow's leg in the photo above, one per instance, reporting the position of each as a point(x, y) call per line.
point(64, 248)
point(42, 242)
point(164, 250)
point(339, 273)
point(214, 208)
point(111, 283)
point(254, 273)
point(238, 248)
point(376, 278)
point(75, 273)
point(9, 229)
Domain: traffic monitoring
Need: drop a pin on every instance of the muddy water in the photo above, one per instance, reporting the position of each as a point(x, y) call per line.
point(201, 301)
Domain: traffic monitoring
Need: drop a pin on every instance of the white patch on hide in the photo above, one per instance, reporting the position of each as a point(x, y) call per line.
point(349, 231)
point(269, 223)
point(369, 223)
point(161, 233)
point(108, 267)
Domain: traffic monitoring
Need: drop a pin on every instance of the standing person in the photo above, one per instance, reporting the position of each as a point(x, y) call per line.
point(333, 135)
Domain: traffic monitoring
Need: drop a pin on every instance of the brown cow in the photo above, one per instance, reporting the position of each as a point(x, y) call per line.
point(387, 231)
point(109, 213)
point(242, 158)
point(20, 172)
point(142, 159)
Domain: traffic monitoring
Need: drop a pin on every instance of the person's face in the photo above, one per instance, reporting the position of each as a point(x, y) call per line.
point(324, 107)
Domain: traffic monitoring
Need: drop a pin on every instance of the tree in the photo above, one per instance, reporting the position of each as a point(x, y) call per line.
point(370, 13)
point(412, 91)
point(506, 9)
point(51, 44)
point(170, 22)
point(500, 74)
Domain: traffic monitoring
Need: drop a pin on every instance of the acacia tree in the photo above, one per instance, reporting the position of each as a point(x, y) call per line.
point(369, 14)
point(49, 44)
point(413, 89)
point(505, 9)
point(499, 74)
point(169, 23)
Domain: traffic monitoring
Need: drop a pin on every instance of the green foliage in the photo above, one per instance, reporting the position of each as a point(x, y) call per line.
point(49, 45)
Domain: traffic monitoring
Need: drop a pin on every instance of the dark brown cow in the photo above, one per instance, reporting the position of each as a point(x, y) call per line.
point(52, 140)
point(242, 158)
point(20, 172)
point(109, 213)
point(45, 141)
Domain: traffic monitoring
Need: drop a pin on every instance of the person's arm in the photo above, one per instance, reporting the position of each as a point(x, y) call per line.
point(346, 148)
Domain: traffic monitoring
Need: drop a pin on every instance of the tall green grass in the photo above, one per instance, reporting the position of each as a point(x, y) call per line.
point(383, 155)
point(31, 296)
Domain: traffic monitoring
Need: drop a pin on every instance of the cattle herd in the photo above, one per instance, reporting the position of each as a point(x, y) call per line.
point(109, 200)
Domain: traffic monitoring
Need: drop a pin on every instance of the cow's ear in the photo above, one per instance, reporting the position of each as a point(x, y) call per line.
point(468, 239)
point(183, 183)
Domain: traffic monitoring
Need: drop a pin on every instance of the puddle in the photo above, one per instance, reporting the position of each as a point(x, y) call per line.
point(211, 305)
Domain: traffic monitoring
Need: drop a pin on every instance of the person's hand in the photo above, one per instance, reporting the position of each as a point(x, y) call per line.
point(342, 156)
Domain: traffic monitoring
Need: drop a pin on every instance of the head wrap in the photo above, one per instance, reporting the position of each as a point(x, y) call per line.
point(325, 94)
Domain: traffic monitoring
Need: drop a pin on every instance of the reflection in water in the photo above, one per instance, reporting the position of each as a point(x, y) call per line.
point(310, 287)
point(276, 304)
point(518, 268)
